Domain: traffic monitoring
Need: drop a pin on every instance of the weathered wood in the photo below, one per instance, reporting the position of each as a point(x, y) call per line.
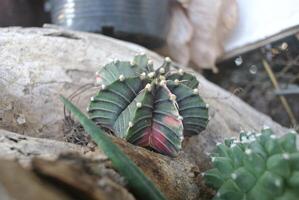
point(37, 65)
point(65, 179)
point(175, 177)
point(23, 148)
point(27, 187)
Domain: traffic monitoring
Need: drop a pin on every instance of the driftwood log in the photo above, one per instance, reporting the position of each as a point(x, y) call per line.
point(39, 64)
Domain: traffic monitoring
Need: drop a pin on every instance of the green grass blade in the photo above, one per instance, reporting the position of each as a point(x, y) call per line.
point(138, 183)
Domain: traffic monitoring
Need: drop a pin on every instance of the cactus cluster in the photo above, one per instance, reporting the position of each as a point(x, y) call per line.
point(150, 108)
point(259, 166)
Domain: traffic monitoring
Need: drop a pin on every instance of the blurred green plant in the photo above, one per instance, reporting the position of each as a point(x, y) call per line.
point(259, 166)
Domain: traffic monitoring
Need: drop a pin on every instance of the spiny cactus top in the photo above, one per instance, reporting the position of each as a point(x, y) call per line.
point(150, 108)
point(258, 167)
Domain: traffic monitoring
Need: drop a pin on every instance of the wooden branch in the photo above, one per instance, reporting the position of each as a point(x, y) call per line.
point(37, 65)
point(175, 177)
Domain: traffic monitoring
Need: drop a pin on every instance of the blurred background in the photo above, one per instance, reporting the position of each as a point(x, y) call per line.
point(25, 13)
point(247, 47)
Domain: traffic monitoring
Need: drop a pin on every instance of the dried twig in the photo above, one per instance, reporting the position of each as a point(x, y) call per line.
point(282, 98)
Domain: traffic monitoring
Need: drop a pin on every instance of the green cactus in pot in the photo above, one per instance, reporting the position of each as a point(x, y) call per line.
point(151, 108)
point(259, 166)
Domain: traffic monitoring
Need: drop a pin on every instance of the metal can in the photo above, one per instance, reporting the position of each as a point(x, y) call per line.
point(145, 22)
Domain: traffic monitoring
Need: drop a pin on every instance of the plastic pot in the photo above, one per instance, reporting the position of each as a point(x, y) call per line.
point(141, 21)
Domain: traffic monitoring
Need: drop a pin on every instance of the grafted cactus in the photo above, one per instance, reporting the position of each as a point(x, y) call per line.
point(147, 107)
point(259, 166)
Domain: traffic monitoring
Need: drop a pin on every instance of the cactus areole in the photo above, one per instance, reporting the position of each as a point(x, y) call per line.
point(260, 166)
point(151, 108)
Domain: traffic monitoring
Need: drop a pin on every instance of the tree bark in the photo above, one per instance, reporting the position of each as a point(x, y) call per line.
point(39, 64)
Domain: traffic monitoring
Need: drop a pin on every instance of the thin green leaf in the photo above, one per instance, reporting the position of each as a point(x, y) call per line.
point(140, 185)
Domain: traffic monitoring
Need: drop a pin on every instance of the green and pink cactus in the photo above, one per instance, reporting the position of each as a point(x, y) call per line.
point(150, 108)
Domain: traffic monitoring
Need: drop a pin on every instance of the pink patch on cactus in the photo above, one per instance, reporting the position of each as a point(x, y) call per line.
point(153, 137)
point(172, 121)
point(98, 79)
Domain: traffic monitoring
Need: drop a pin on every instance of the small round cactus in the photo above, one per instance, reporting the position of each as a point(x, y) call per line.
point(260, 166)
point(150, 108)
